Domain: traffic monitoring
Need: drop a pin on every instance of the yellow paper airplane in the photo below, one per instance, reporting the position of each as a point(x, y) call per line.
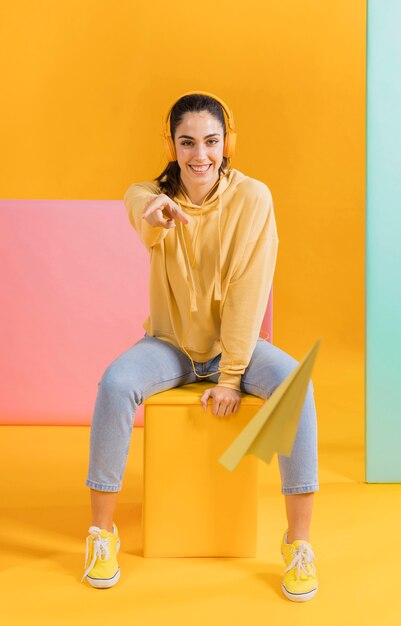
point(274, 427)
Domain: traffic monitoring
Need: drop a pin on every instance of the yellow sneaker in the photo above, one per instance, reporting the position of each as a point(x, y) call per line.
point(101, 554)
point(299, 582)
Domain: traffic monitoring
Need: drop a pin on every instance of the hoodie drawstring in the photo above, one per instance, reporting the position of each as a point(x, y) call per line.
point(188, 264)
point(217, 272)
point(191, 283)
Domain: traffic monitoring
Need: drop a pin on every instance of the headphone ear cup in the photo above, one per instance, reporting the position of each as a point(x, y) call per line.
point(170, 149)
point(229, 144)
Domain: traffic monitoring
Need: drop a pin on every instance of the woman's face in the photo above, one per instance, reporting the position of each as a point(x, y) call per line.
point(199, 144)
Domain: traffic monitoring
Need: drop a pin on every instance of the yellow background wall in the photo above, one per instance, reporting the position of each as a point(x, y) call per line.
point(86, 84)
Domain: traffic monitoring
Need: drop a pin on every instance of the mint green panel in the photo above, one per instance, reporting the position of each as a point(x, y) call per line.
point(383, 243)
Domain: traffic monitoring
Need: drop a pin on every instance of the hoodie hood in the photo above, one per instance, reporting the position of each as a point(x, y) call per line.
point(214, 197)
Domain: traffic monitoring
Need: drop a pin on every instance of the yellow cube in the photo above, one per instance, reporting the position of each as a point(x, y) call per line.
point(192, 505)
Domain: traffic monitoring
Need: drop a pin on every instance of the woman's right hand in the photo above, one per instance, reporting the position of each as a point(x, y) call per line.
point(157, 209)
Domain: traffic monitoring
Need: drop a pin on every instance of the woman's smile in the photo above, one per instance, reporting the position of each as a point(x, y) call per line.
point(198, 170)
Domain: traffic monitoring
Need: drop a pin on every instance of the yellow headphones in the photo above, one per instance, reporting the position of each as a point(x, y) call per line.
point(229, 140)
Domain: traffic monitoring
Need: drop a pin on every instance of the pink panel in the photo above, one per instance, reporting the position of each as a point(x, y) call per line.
point(74, 279)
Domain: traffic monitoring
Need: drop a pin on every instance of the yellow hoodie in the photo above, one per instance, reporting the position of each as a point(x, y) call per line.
point(210, 279)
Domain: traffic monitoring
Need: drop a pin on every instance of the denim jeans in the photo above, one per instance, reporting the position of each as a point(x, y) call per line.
point(151, 366)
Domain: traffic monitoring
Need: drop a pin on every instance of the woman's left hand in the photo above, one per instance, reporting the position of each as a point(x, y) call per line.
point(225, 400)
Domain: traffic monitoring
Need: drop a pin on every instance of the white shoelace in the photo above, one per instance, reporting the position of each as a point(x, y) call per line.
point(303, 557)
point(100, 548)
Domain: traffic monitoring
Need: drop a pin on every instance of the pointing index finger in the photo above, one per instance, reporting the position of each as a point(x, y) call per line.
point(183, 217)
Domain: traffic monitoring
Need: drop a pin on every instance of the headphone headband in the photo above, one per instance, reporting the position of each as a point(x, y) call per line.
point(229, 140)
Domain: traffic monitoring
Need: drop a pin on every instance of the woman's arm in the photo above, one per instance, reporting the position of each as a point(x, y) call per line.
point(136, 198)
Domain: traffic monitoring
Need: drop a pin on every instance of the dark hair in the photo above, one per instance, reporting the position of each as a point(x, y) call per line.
point(169, 179)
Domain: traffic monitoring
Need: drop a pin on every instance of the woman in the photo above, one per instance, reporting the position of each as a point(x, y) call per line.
point(211, 234)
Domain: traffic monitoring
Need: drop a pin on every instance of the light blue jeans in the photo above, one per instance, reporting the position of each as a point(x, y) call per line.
point(151, 366)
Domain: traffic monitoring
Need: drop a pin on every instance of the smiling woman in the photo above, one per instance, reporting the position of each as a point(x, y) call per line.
point(211, 270)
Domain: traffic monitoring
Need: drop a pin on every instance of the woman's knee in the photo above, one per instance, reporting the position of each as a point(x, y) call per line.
point(283, 367)
point(116, 380)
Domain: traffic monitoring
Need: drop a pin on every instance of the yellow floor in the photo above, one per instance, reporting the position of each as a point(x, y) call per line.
point(45, 515)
